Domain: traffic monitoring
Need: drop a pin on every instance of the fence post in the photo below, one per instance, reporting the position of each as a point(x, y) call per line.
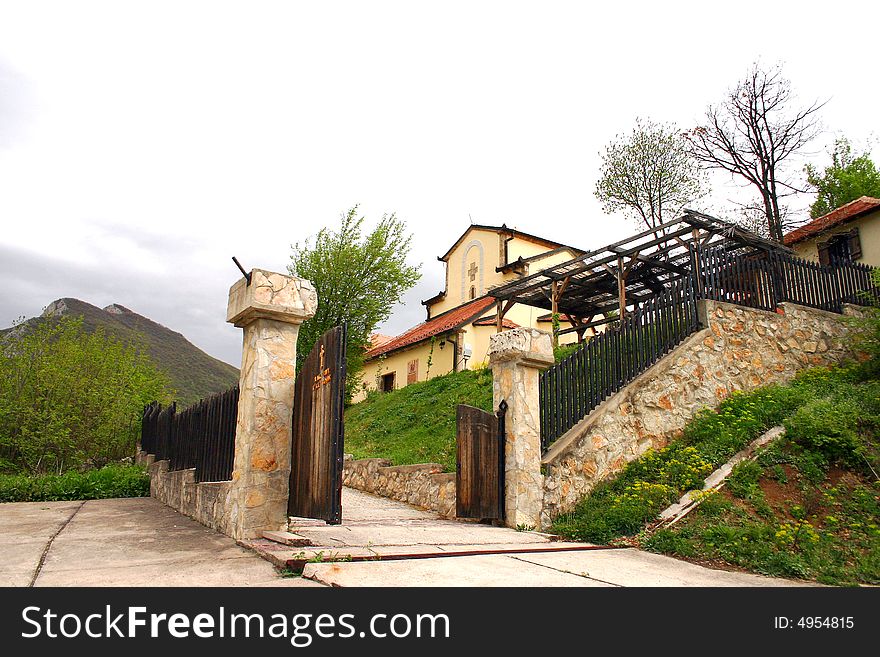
point(269, 307)
point(777, 277)
point(837, 290)
point(696, 274)
point(516, 356)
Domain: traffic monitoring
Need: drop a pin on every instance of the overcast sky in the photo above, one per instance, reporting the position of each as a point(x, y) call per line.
point(144, 143)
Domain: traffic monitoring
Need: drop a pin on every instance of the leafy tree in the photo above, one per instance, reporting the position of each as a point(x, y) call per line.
point(71, 399)
point(649, 174)
point(358, 279)
point(847, 178)
point(753, 134)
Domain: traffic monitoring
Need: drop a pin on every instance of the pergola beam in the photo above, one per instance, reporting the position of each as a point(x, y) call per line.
point(689, 222)
point(628, 272)
point(555, 272)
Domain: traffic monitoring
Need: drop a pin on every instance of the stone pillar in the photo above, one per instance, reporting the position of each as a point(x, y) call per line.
point(516, 357)
point(270, 309)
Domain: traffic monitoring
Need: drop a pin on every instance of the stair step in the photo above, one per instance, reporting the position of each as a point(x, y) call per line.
point(287, 538)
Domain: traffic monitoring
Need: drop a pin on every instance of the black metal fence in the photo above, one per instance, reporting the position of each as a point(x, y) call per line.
point(761, 280)
point(826, 287)
point(746, 280)
point(572, 388)
point(201, 437)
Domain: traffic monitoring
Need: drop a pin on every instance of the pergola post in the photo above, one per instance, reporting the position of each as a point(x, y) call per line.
point(501, 310)
point(556, 291)
point(697, 266)
point(577, 323)
point(621, 288)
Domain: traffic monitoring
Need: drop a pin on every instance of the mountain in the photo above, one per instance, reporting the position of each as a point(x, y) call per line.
point(193, 373)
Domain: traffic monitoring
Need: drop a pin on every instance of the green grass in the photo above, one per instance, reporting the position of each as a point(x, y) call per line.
point(116, 480)
point(788, 514)
point(415, 424)
point(621, 507)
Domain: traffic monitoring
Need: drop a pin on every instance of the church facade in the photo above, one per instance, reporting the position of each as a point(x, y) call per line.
point(461, 318)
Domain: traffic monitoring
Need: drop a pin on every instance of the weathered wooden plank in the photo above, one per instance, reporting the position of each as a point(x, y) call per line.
point(315, 477)
point(479, 481)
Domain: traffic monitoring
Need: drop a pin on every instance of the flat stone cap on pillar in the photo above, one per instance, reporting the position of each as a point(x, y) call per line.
point(271, 296)
point(528, 346)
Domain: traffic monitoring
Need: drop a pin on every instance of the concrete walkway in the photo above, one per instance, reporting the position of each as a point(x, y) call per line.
point(141, 542)
point(122, 542)
point(410, 547)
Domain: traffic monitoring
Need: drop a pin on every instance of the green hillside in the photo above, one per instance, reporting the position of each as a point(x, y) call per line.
point(193, 373)
point(806, 507)
point(415, 424)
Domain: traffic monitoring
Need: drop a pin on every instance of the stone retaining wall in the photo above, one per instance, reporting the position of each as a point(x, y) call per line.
point(424, 485)
point(204, 502)
point(740, 349)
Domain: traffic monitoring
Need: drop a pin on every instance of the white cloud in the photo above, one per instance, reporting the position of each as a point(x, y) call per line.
point(153, 141)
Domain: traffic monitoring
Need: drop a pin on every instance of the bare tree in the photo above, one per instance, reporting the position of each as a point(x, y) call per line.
point(649, 174)
point(752, 133)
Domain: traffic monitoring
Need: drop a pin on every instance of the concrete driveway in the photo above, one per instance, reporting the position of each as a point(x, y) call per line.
point(122, 542)
point(141, 542)
point(382, 542)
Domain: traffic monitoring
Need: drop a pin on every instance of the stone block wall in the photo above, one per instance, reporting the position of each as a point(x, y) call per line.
point(739, 349)
point(424, 485)
point(203, 502)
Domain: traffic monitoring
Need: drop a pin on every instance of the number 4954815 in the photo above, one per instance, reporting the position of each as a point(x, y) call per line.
point(814, 622)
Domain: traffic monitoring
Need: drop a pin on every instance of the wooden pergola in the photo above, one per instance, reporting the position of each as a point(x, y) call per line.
point(608, 281)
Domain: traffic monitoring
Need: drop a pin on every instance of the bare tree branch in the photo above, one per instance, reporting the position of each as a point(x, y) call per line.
point(752, 134)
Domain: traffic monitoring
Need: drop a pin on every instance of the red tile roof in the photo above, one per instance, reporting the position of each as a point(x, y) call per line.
point(491, 321)
point(844, 213)
point(449, 320)
point(377, 340)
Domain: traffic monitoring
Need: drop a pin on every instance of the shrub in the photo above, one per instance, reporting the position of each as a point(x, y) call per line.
point(609, 516)
point(868, 337)
point(841, 424)
point(644, 488)
point(743, 480)
point(827, 426)
point(69, 398)
point(563, 351)
point(115, 480)
point(713, 503)
point(668, 541)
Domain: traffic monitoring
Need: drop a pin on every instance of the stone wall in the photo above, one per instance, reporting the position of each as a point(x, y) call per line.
point(424, 485)
point(204, 502)
point(740, 349)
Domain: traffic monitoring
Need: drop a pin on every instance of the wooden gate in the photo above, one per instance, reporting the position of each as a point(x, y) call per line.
point(479, 473)
point(316, 457)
